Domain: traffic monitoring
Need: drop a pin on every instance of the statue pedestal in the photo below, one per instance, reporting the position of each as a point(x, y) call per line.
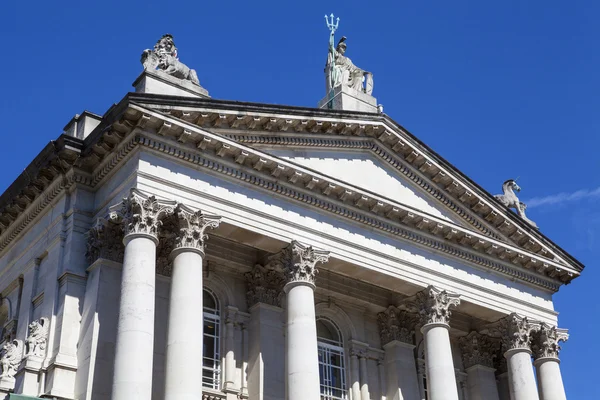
point(344, 98)
point(159, 82)
point(7, 385)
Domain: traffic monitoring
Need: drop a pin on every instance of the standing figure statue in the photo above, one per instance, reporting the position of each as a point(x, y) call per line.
point(164, 57)
point(340, 70)
point(509, 199)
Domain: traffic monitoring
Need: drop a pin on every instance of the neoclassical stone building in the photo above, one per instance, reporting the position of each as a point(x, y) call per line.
point(180, 247)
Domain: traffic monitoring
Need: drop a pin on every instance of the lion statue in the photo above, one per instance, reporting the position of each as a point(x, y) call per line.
point(164, 57)
point(38, 335)
point(10, 358)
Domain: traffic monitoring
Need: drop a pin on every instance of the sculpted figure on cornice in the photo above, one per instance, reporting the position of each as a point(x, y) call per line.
point(514, 331)
point(298, 262)
point(10, 358)
point(546, 339)
point(396, 324)
point(264, 286)
point(433, 305)
point(105, 240)
point(140, 213)
point(38, 335)
point(509, 199)
point(478, 349)
point(164, 57)
point(340, 70)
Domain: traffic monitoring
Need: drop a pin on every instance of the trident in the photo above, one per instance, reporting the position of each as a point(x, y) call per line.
point(332, 25)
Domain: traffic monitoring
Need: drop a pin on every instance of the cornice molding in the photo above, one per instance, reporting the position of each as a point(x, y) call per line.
point(237, 161)
point(438, 178)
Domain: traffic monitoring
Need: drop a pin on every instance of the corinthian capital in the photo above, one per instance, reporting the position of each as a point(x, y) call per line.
point(514, 331)
point(478, 349)
point(546, 339)
point(395, 324)
point(264, 286)
point(298, 262)
point(192, 227)
point(105, 240)
point(140, 213)
point(433, 305)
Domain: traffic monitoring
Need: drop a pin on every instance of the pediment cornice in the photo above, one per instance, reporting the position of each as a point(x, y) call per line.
point(282, 126)
point(215, 152)
point(225, 153)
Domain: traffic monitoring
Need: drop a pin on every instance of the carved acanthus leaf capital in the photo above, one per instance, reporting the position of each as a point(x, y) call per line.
point(546, 339)
point(298, 262)
point(264, 286)
point(192, 227)
point(105, 240)
point(433, 305)
point(396, 324)
point(514, 331)
point(141, 214)
point(478, 349)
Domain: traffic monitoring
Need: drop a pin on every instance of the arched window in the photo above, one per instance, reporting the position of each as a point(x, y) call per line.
point(331, 360)
point(211, 363)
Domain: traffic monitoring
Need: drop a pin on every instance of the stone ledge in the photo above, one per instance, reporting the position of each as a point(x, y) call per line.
point(158, 82)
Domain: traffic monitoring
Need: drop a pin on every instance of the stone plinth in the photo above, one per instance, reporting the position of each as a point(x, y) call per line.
point(159, 82)
point(344, 98)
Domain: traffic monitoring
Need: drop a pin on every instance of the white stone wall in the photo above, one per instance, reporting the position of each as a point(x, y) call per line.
point(81, 301)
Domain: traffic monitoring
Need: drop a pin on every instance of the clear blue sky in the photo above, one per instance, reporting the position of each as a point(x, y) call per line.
point(500, 89)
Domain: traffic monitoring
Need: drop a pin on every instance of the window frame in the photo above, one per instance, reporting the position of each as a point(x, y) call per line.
point(326, 348)
point(212, 315)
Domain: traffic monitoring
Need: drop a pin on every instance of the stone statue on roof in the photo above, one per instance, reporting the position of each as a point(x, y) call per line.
point(164, 57)
point(509, 199)
point(340, 70)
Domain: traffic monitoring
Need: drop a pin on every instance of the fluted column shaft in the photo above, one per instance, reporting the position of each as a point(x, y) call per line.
point(302, 360)
point(184, 351)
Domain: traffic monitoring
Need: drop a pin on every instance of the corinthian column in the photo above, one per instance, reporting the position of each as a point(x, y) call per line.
point(515, 333)
point(302, 363)
point(545, 349)
point(478, 353)
point(396, 329)
point(183, 372)
point(434, 308)
point(141, 217)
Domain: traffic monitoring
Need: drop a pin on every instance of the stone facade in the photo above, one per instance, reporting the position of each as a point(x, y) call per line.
point(191, 249)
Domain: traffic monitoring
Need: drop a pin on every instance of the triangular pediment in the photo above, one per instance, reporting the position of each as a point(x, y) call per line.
point(363, 170)
point(359, 166)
